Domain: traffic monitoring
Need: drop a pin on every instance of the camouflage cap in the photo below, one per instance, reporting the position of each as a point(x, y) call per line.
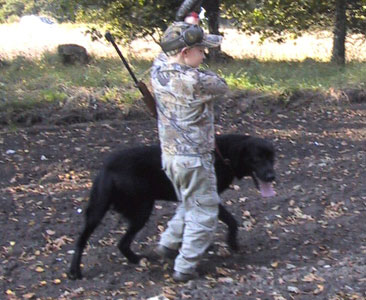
point(180, 35)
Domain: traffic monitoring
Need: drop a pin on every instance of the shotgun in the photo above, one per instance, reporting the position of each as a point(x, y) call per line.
point(147, 97)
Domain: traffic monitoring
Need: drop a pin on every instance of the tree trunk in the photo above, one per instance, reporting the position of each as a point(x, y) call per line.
point(340, 32)
point(212, 8)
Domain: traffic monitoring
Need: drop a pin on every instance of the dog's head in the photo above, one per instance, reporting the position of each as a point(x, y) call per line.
point(257, 160)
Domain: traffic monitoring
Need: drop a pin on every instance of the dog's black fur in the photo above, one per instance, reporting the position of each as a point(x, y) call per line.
point(131, 181)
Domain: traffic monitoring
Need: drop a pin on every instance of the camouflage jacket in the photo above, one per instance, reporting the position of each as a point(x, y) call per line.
point(184, 98)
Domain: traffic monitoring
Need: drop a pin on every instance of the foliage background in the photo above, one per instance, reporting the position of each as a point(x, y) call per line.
point(294, 59)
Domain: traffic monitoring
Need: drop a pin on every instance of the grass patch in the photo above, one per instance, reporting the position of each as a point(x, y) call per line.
point(274, 77)
point(27, 83)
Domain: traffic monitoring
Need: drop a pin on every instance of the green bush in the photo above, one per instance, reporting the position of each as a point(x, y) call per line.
point(62, 10)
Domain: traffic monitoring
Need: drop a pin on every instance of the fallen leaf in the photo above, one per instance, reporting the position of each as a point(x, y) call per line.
point(39, 270)
point(293, 289)
point(225, 280)
point(279, 297)
point(50, 232)
point(160, 297)
point(129, 284)
point(319, 289)
point(222, 271)
point(246, 213)
point(169, 293)
point(29, 296)
point(311, 277)
point(236, 187)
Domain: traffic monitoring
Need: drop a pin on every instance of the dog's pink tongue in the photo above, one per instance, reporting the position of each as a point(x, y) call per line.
point(266, 189)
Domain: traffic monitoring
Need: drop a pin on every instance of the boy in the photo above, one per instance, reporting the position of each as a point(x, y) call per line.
point(191, 18)
point(184, 98)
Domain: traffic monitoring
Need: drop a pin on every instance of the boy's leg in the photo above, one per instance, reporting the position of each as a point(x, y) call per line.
point(201, 223)
point(172, 236)
point(201, 215)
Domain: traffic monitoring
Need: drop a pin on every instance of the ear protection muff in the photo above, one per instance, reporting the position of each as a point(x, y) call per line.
point(189, 37)
point(192, 35)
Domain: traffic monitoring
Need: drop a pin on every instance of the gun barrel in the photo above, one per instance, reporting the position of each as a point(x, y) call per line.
point(110, 39)
point(147, 97)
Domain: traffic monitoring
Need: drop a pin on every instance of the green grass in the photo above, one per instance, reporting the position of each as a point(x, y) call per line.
point(275, 77)
point(28, 83)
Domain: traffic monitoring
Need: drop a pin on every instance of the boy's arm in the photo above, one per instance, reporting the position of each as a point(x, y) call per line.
point(212, 84)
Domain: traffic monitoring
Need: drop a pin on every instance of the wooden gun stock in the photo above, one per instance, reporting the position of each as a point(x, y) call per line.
point(147, 98)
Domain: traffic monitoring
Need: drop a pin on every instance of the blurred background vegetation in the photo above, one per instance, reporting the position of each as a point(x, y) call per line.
point(277, 47)
point(276, 18)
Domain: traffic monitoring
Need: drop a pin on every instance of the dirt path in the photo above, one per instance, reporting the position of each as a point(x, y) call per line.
point(308, 242)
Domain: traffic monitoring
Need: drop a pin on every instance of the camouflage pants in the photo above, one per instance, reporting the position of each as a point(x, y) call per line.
point(193, 226)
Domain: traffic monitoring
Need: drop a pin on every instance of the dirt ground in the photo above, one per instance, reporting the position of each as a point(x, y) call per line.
point(308, 242)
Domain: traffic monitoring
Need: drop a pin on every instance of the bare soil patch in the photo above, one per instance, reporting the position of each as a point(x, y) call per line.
point(308, 242)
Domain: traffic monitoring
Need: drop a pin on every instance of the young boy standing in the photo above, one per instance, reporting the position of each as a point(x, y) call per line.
point(184, 97)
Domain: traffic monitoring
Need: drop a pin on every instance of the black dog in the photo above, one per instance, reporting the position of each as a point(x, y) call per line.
point(133, 179)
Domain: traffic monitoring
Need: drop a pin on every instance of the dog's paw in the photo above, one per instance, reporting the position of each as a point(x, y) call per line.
point(134, 258)
point(233, 244)
point(130, 255)
point(74, 275)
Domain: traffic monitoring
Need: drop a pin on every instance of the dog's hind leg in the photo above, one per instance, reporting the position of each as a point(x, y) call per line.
point(229, 220)
point(135, 225)
point(94, 215)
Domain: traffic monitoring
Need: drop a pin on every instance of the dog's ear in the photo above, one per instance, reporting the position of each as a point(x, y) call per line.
point(240, 157)
point(267, 148)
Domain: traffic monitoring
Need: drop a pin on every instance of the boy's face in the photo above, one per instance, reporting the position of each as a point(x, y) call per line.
point(194, 56)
